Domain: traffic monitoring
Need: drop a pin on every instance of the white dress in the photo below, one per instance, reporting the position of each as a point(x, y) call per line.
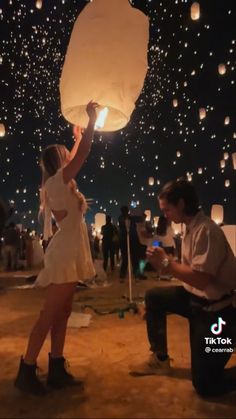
point(68, 257)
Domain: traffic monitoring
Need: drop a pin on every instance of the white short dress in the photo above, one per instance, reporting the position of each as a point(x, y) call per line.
point(68, 256)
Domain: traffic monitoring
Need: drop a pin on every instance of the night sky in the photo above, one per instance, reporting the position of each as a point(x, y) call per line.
point(165, 138)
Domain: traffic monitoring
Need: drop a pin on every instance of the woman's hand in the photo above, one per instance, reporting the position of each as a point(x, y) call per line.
point(91, 110)
point(155, 256)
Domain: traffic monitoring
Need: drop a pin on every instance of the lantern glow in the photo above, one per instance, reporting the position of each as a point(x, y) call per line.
point(103, 46)
point(101, 118)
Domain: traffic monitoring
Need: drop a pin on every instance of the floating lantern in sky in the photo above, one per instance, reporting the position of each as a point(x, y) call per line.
point(202, 113)
point(39, 4)
point(217, 213)
point(155, 220)
point(227, 120)
point(195, 11)
point(199, 170)
point(100, 220)
point(103, 62)
point(227, 183)
point(151, 181)
point(2, 130)
point(222, 164)
point(221, 69)
point(234, 160)
point(226, 155)
point(148, 214)
point(175, 103)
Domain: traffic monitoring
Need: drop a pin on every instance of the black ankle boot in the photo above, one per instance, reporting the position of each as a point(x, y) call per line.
point(58, 377)
point(28, 381)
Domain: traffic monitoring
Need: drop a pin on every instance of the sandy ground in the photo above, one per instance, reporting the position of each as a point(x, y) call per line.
point(100, 354)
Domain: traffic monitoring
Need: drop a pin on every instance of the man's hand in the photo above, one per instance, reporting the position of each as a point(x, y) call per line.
point(155, 256)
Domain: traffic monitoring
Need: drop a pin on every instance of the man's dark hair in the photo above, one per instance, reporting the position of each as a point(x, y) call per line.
point(108, 219)
point(181, 189)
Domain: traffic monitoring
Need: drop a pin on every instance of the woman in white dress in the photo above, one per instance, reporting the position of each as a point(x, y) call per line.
point(67, 258)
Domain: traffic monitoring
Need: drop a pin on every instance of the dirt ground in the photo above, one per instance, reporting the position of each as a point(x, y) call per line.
point(101, 354)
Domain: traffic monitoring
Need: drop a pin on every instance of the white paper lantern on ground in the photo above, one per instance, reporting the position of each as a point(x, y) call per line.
point(106, 61)
point(234, 160)
point(2, 130)
point(151, 181)
point(148, 214)
point(100, 220)
point(217, 213)
point(195, 11)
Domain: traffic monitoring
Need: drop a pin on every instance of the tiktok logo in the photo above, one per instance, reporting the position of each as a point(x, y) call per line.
point(216, 328)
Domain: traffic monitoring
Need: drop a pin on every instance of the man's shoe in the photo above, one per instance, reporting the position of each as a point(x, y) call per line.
point(153, 366)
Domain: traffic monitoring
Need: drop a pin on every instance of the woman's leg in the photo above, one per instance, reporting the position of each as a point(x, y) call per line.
point(58, 330)
point(56, 295)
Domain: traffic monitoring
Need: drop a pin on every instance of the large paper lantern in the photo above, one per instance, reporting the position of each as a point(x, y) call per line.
point(100, 220)
point(2, 130)
point(195, 11)
point(106, 61)
point(217, 213)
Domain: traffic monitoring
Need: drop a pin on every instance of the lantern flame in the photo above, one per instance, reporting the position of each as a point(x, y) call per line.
point(100, 122)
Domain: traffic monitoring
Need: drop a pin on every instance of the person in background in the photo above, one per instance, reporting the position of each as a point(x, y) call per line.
point(206, 298)
point(107, 232)
point(127, 221)
point(11, 239)
point(165, 235)
point(67, 259)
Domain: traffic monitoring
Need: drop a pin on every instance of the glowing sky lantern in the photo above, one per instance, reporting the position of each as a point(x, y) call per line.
point(221, 69)
point(202, 113)
point(227, 120)
point(104, 64)
point(217, 213)
point(148, 214)
point(151, 181)
point(227, 183)
point(39, 4)
point(155, 220)
point(222, 164)
point(195, 11)
point(199, 170)
point(226, 155)
point(100, 220)
point(2, 130)
point(175, 103)
point(234, 160)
